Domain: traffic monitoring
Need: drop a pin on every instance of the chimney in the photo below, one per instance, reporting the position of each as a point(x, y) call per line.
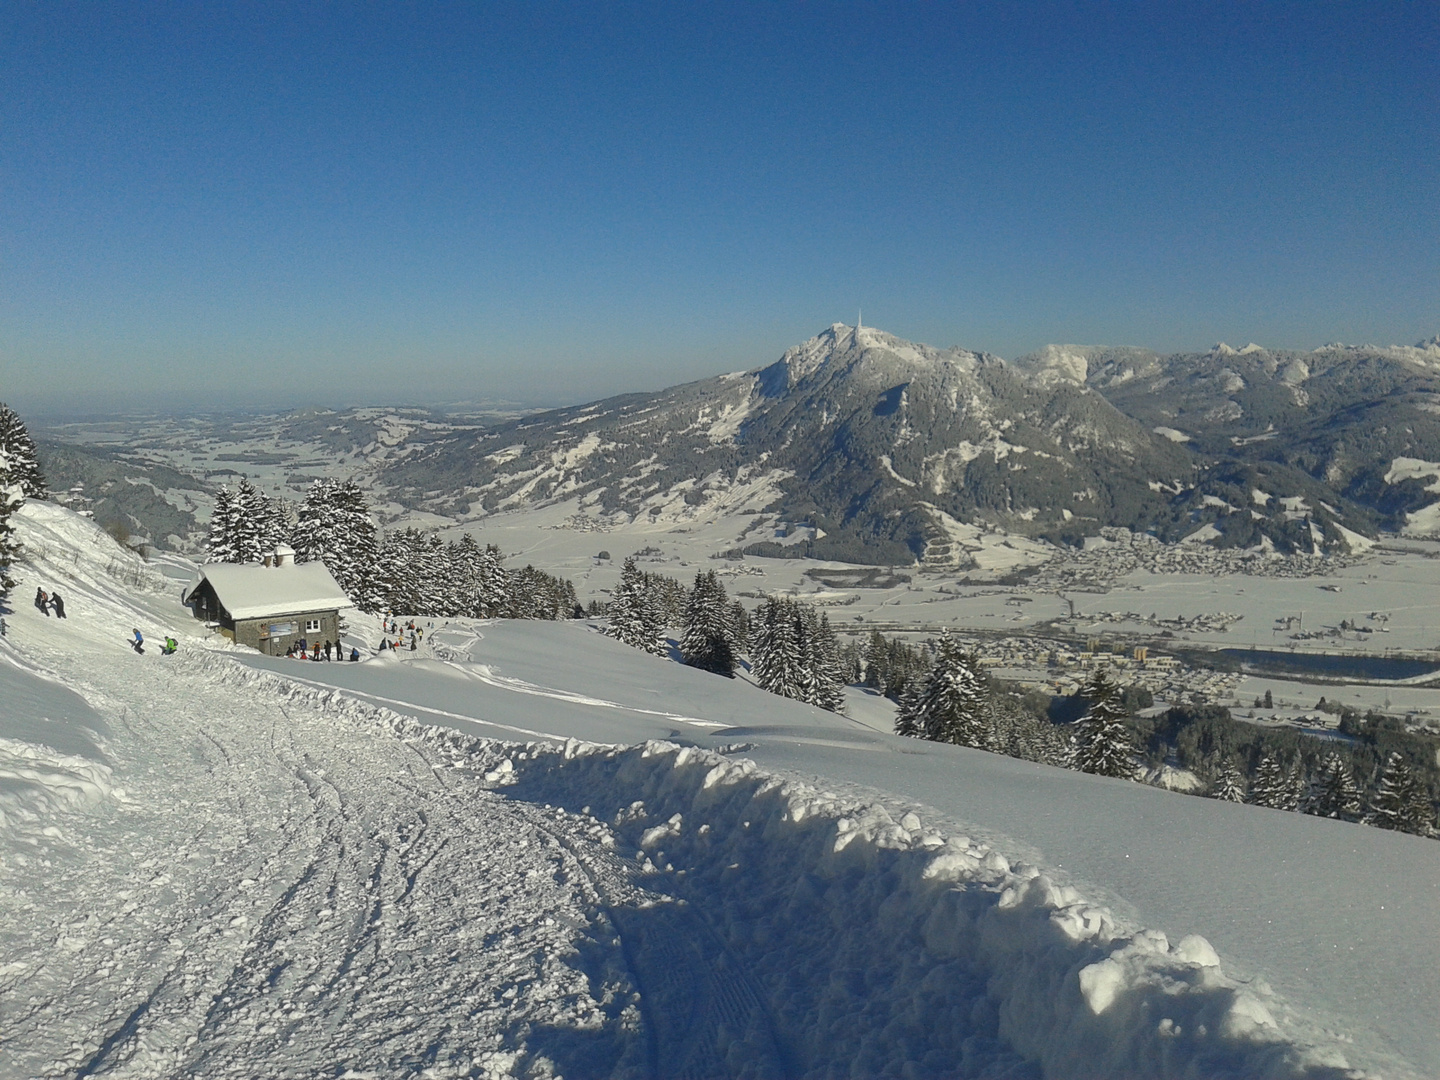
point(284, 556)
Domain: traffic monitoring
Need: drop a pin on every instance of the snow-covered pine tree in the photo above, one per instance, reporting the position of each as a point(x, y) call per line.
point(333, 526)
point(1333, 792)
point(315, 526)
point(428, 557)
point(19, 449)
point(1103, 745)
point(658, 606)
point(273, 523)
point(396, 580)
point(872, 661)
point(776, 649)
point(1271, 786)
point(706, 642)
point(907, 715)
point(953, 705)
point(220, 545)
point(465, 587)
point(763, 629)
point(1297, 786)
point(12, 497)
point(1400, 802)
point(1229, 783)
point(633, 612)
point(829, 678)
point(739, 627)
point(356, 548)
point(495, 582)
point(248, 523)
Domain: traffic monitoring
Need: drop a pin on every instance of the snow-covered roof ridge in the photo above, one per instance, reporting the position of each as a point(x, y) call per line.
point(253, 591)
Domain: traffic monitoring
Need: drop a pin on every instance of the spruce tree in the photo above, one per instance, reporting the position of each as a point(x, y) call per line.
point(706, 642)
point(333, 526)
point(397, 581)
point(872, 658)
point(1270, 787)
point(953, 706)
point(12, 497)
point(776, 648)
point(1103, 745)
point(220, 545)
point(907, 717)
point(465, 592)
point(251, 513)
point(24, 460)
point(636, 617)
point(829, 677)
point(739, 627)
point(1229, 783)
point(1333, 792)
point(494, 580)
point(1401, 802)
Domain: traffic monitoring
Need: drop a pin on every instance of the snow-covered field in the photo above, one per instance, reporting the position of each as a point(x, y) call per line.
point(531, 851)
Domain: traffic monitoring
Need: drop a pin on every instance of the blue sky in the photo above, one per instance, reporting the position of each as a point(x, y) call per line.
point(228, 206)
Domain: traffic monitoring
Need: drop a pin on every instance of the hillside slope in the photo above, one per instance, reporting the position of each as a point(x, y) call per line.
point(260, 868)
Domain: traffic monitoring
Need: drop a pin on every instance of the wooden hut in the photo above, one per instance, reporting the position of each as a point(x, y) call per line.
point(269, 605)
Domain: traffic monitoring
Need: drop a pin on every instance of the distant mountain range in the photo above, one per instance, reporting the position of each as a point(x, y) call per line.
point(870, 448)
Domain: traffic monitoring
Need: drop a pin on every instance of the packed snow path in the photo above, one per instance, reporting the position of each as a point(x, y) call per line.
point(215, 871)
point(276, 890)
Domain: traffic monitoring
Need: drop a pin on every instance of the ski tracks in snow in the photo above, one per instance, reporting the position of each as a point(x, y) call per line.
point(286, 888)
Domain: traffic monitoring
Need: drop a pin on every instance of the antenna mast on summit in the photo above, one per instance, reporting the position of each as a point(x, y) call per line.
point(858, 313)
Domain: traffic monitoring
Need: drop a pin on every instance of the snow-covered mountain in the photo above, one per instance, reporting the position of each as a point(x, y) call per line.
point(876, 445)
point(858, 445)
point(873, 448)
point(1347, 426)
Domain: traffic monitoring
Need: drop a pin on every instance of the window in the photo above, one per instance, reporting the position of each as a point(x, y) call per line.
point(312, 626)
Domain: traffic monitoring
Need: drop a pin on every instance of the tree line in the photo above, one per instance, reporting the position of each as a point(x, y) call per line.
point(950, 699)
point(402, 570)
point(792, 647)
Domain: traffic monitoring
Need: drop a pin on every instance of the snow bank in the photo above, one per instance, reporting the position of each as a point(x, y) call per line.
point(886, 946)
point(36, 786)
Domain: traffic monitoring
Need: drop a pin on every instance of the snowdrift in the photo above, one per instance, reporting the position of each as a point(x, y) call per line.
point(883, 943)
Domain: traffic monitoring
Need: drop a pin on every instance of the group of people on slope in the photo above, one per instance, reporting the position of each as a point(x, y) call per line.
point(48, 602)
point(304, 650)
point(392, 626)
point(138, 644)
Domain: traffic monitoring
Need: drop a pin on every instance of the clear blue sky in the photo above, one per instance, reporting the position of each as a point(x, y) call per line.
point(219, 206)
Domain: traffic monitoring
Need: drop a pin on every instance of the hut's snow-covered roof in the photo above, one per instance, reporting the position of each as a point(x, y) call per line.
point(253, 591)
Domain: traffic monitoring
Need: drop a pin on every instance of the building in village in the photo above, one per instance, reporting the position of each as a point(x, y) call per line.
point(270, 605)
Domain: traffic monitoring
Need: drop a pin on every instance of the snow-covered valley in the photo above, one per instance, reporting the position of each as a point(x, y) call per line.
point(532, 851)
